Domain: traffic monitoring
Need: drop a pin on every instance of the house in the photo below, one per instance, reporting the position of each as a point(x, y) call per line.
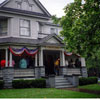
point(27, 32)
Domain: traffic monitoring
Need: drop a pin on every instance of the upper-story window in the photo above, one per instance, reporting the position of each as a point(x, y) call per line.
point(54, 30)
point(3, 27)
point(24, 27)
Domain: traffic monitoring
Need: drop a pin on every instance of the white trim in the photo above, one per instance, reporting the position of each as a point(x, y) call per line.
point(10, 63)
point(4, 2)
point(36, 16)
point(41, 57)
point(6, 56)
point(36, 60)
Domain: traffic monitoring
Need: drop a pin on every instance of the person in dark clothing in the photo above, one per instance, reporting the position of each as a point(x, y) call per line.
point(77, 63)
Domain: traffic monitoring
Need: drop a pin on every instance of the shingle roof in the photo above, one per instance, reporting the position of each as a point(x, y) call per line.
point(37, 42)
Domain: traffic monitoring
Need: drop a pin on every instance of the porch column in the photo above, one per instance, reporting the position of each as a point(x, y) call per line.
point(83, 64)
point(83, 67)
point(63, 70)
point(62, 58)
point(35, 60)
point(41, 65)
point(6, 56)
point(8, 72)
point(10, 64)
point(41, 57)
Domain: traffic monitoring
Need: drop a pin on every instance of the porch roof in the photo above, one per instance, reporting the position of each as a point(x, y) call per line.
point(36, 42)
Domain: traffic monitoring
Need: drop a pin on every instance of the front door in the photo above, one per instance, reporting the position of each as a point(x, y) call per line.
point(49, 58)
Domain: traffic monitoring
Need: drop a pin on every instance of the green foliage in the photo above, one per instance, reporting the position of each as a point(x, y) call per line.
point(37, 83)
point(55, 19)
point(89, 80)
point(81, 27)
point(1, 84)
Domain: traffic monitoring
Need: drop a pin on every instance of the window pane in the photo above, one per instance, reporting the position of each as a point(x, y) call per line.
point(24, 23)
point(3, 26)
point(25, 27)
point(52, 30)
point(25, 31)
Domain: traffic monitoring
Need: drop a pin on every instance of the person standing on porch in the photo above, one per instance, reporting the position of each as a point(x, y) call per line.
point(56, 66)
point(23, 63)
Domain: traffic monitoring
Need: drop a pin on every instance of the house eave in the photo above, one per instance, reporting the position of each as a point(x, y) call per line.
point(30, 15)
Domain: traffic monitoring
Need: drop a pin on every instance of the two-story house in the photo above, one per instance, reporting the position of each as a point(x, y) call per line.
point(27, 34)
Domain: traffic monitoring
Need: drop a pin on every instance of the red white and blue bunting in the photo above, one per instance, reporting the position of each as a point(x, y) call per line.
point(19, 52)
point(70, 54)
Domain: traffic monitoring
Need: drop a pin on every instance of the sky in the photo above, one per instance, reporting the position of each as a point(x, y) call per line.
point(55, 7)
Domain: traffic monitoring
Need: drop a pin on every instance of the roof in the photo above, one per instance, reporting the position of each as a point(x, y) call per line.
point(22, 12)
point(50, 36)
point(37, 42)
point(49, 23)
point(46, 13)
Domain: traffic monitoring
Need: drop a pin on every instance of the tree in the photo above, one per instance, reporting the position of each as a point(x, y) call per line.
point(55, 19)
point(81, 27)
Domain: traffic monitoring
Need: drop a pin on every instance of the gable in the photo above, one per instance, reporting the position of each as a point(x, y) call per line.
point(53, 40)
point(27, 5)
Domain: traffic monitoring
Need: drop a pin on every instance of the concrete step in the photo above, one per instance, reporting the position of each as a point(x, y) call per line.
point(60, 81)
point(67, 86)
point(61, 84)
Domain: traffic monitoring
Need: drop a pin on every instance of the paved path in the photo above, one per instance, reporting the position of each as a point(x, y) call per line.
point(83, 90)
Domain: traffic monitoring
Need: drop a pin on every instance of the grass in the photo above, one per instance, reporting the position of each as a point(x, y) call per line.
point(43, 93)
point(91, 87)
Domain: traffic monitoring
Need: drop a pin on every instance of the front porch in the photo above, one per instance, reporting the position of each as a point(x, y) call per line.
point(33, 61)
point(40, 66)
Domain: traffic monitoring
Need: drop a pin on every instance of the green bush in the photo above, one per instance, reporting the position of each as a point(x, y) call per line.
point(1, 84)
point(37, 83)
point(89, 80)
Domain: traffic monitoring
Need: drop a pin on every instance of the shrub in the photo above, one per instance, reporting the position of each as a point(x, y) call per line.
point(89, 80)
point(1, 84)
point(37, 83)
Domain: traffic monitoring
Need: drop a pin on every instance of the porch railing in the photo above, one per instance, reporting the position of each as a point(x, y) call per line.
point(24, 73)
point(70, 71)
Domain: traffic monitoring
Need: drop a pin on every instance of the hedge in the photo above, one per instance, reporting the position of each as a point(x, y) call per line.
point(1, 84)
point(37, 83)
point(89, 80)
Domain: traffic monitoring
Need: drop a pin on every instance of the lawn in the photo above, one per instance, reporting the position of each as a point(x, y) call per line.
point(91, 87)
point(43, 93)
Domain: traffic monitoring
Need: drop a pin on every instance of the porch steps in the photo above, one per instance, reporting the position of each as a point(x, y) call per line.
point(62, 82)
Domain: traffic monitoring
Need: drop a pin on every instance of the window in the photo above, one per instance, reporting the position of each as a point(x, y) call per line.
point(54, 30)
point(25, 27)
point(3, 27)
point(40, 28)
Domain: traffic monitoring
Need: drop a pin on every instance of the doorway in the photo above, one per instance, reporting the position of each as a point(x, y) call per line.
point(49, 58)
